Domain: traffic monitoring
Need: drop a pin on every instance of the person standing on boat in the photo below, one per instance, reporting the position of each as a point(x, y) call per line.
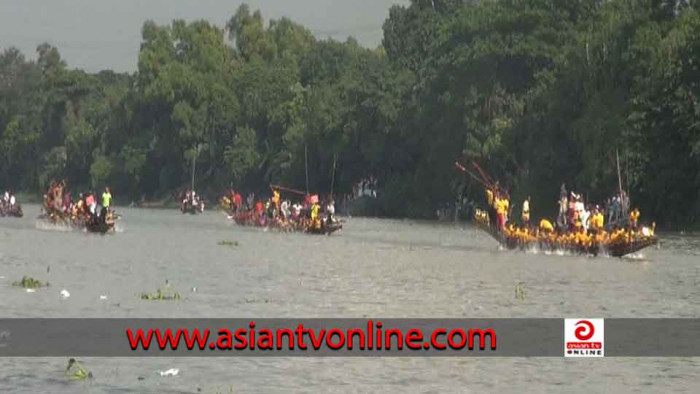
point(237, 202)
point(563, 205)
point(491, 204)
point(526, 213)
point(330, 210)
point(284, 209)
point(506, 202)
point(634, 218)
point(315, 215)
point(106, 198)
point(259, 208)
point(276, 201)
point(65, 203)
point(624, 203)
point(615, 209)
point(500, 203)
point(597, 221)
point(250, 200)
point(91, 203)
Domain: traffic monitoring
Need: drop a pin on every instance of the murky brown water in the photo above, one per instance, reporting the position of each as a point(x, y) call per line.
point(379, 268)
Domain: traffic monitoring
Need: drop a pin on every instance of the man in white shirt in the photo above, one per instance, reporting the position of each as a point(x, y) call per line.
point(284, 207)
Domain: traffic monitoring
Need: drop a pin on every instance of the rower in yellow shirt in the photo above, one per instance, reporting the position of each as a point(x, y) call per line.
point(276, 199)
point(546, 226)
point(501, 212)
point(634, 218)
point(315, 217)
point(578, 224)
point(489, 197)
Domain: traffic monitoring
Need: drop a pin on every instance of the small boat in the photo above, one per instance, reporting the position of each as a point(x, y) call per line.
point(11, 211)
point(187, 206)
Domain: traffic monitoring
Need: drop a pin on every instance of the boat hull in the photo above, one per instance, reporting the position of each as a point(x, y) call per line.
point(191, 209)
point(251, 220)
point(15, 212)
point(99, 227)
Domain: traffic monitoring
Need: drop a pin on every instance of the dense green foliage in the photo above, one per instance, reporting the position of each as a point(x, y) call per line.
point(539, 91)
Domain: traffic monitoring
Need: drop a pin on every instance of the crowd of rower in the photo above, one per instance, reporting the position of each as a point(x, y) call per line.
point(9, 205)
point(309, 213)
point(190, 200)
point(577, 224)
point(59, 204)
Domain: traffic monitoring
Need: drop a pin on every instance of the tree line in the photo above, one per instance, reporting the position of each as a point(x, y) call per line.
point(539, 92)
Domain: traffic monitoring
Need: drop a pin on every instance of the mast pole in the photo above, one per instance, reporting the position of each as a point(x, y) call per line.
point(619, 177)
point(306, 166)
point(333, 176)
point(194, 163)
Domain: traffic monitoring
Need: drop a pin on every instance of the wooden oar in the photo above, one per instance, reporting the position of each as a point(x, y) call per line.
point(288, 189)
point(483, 174)
point(481, 181)
point(489, 180)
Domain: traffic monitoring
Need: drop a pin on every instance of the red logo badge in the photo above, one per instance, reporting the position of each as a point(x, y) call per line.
point(584, 337)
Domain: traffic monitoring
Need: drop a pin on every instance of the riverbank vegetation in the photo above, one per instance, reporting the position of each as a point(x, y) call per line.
point(538, 91)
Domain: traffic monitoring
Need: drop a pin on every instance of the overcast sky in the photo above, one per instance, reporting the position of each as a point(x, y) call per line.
point(105, 34)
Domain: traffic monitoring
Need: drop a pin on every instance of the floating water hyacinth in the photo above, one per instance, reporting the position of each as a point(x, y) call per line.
point(519, 292)
point(165, 293)
point(75, 371)
point(28, 282)
point(228, 243)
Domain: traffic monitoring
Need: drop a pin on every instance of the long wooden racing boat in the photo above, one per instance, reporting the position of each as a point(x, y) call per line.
point(249, 218)
point(93, 224)
point(617, 243)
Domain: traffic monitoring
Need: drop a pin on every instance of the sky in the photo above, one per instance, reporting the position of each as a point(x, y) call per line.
point(105, 34)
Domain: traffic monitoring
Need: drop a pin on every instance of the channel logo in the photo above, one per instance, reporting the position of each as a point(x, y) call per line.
point(584, 337)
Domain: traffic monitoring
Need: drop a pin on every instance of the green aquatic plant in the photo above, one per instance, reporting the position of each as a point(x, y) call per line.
point(28, 282)
point(228, 243)
point(217, 390)
point(75, 371)
point(519, 292)
point(164, 293)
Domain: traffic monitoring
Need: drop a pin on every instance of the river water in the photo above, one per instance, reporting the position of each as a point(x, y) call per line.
point(374, 268)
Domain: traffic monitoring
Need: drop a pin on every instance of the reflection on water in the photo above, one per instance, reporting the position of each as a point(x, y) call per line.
point(379, 268)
